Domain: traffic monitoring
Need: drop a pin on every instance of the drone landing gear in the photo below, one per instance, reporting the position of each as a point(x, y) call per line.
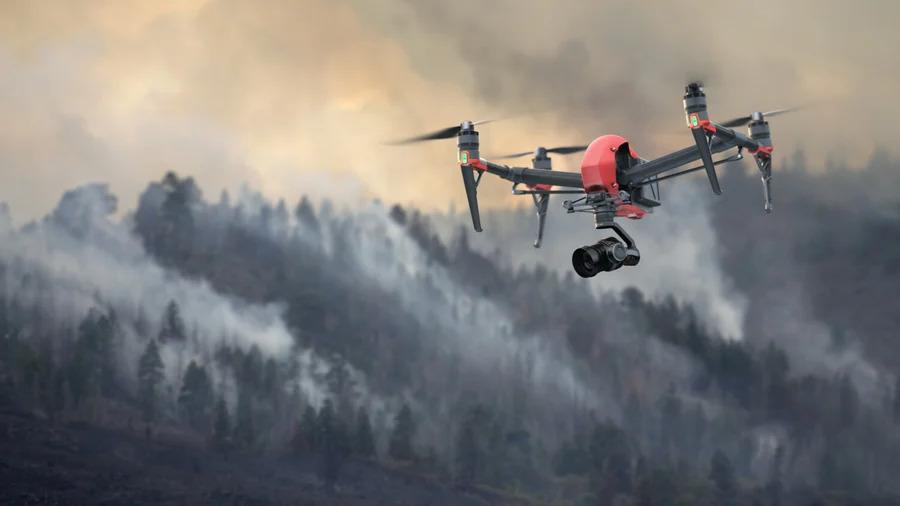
point(607, 255)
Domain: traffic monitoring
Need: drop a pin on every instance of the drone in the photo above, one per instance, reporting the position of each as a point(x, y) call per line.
point(614, 182)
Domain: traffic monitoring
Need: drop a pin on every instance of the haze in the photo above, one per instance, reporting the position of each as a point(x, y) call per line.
point(294, 97)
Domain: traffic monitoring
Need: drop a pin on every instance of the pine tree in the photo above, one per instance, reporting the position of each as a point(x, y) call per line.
point(471, 454)
point(696, 429)
point(333, 444)
point(92, 367)
point(150, 377)
point(776, 367)
point(468, 455)
point(306, 215)
point(671, 424)
point(896, 403)
point(655, 486)
point(250, 376)
point(721, 473)
point(774, 487)
point(44, 382)
point(402, 436)
point(572, 458)
point(271, 381)
point(82, 373)
point(829, 472)
point(306, 436)
point(172, 328)
point(364, 440)
point(110, 331)
point(244, 428)
point(221, 436)
point(28, 364)
point(196, 397)
point(324, 422)
point(176, 232)
point(634, 415)
point(610, 459)
point(340, 384)
point(57, 399)
point(849, 402)
point(398, 214)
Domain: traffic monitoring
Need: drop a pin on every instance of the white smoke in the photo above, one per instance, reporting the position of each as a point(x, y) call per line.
point(77, 259)
point(473, 345)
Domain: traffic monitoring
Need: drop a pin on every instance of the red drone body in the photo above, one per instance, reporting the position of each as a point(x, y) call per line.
point(598, 166)
point(599, 171)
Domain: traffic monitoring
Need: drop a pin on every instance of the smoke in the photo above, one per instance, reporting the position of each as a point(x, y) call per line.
point(815, 271)
point(475, 351)
point(77, 259)
point(233, 93)
point(463, 345)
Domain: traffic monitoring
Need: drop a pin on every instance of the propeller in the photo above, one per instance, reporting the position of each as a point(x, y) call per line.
point(745, 120)
point(562, 150)
point(444, 133)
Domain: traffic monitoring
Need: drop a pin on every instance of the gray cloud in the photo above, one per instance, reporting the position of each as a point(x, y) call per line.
point(235, 91)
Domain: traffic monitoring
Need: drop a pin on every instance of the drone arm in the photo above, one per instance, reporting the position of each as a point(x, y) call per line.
point(723, 138)
point(728, 135)
point(674, 160)
point(528, 176)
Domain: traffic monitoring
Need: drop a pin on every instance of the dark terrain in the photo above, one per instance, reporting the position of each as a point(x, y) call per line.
point(76, 463)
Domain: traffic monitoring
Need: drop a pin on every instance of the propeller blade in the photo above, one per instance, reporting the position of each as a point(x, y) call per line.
point(776, 112)
point(744, 120)
point(444, 133)
point(561, 150)
point(567, 150)
point(514, 155)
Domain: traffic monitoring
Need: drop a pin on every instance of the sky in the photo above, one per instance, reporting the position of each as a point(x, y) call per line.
point(294, 97)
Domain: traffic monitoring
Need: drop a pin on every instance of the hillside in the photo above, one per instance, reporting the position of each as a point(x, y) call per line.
point(334, 349)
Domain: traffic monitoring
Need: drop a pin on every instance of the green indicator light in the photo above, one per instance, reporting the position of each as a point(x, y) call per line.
point(694, 121)
point(464, 157)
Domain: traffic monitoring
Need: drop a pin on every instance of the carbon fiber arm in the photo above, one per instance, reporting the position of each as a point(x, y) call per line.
point(723, 139)
point(534, 176)
point(671, 161)
point(728, 135)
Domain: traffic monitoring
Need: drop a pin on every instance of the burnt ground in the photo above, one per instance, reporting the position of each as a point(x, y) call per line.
point(75, 463)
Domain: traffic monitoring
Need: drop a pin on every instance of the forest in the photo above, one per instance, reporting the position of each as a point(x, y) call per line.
point(392, 336)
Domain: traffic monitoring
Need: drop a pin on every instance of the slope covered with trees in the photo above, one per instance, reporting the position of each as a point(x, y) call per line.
point(262, 328)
